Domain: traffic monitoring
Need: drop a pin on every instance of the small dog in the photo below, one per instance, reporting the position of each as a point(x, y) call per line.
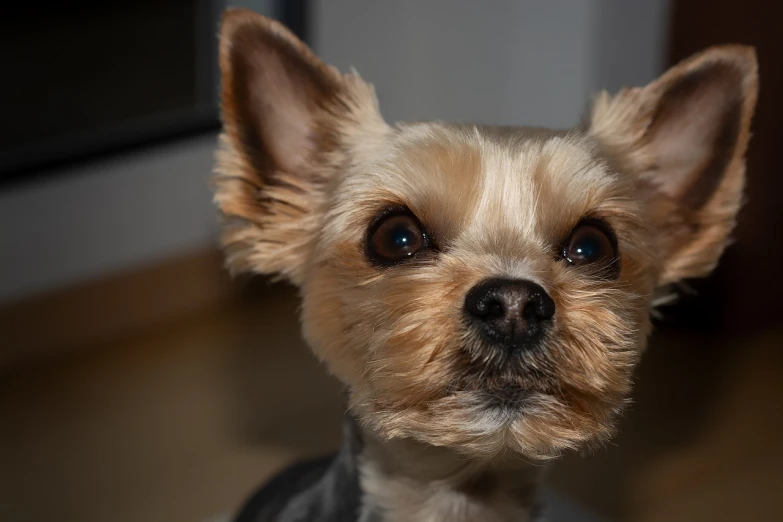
point(483, 293)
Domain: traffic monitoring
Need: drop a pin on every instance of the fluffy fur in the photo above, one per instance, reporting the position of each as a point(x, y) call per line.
point(307, 163)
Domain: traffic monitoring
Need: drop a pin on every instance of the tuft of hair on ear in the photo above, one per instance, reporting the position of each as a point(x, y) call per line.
point(684, 138)
point(289, 122)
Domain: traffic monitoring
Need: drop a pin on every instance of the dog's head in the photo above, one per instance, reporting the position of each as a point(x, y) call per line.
point(474, 287)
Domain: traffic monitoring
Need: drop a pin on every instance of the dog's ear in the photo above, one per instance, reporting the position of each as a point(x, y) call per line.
point(289, 122)
point(684, 138)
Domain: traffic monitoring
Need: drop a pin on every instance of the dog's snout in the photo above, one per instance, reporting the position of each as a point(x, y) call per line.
point(510, 313)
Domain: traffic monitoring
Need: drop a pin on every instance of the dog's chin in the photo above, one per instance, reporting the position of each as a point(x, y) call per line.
point(492, 423)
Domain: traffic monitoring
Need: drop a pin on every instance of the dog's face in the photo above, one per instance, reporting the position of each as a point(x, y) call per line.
point(482, 288)
point(479, 288)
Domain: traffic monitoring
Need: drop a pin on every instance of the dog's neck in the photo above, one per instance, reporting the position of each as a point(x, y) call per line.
point(403, 480)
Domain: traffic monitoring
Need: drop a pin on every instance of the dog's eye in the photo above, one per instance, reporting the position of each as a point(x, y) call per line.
point(589, 243)
point(394, 238)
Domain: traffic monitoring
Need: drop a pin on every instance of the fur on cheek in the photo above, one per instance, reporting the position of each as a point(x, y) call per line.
point(415, 313)
point(597, 339)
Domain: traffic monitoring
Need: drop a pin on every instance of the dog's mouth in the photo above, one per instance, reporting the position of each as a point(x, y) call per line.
point(507, 382)
point(510, 399)
point(507, 395)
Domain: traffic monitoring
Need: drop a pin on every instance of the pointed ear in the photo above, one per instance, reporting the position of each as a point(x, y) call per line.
point(684, 138)
point(288, 125)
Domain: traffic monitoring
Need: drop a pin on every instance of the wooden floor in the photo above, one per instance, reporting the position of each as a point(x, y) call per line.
point(180, 423)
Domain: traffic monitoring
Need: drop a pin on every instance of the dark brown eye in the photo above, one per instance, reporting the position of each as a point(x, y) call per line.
point(394, 238)
point(590, 243)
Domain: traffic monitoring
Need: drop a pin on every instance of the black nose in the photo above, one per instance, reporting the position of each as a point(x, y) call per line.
point(511, 313)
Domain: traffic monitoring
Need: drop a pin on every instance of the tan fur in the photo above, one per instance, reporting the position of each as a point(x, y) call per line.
point(307, 163)
point(270, 221)
point(694, 238)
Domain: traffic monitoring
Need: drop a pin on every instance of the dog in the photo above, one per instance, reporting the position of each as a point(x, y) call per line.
point(483, 293)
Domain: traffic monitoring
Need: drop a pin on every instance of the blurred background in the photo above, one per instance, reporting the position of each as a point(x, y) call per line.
point(137, 383)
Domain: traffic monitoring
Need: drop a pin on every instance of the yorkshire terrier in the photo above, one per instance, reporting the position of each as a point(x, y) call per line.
point(483, 293)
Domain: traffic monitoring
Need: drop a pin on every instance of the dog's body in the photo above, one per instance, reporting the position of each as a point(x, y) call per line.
point(330, 489)
point(483, 293)
point(325, 489)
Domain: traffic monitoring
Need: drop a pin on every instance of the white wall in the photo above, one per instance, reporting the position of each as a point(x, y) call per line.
point(108, 216)
point(499, 61)
point(532, 62)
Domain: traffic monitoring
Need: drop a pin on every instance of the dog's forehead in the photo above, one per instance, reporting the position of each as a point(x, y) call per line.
point(473, 180)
